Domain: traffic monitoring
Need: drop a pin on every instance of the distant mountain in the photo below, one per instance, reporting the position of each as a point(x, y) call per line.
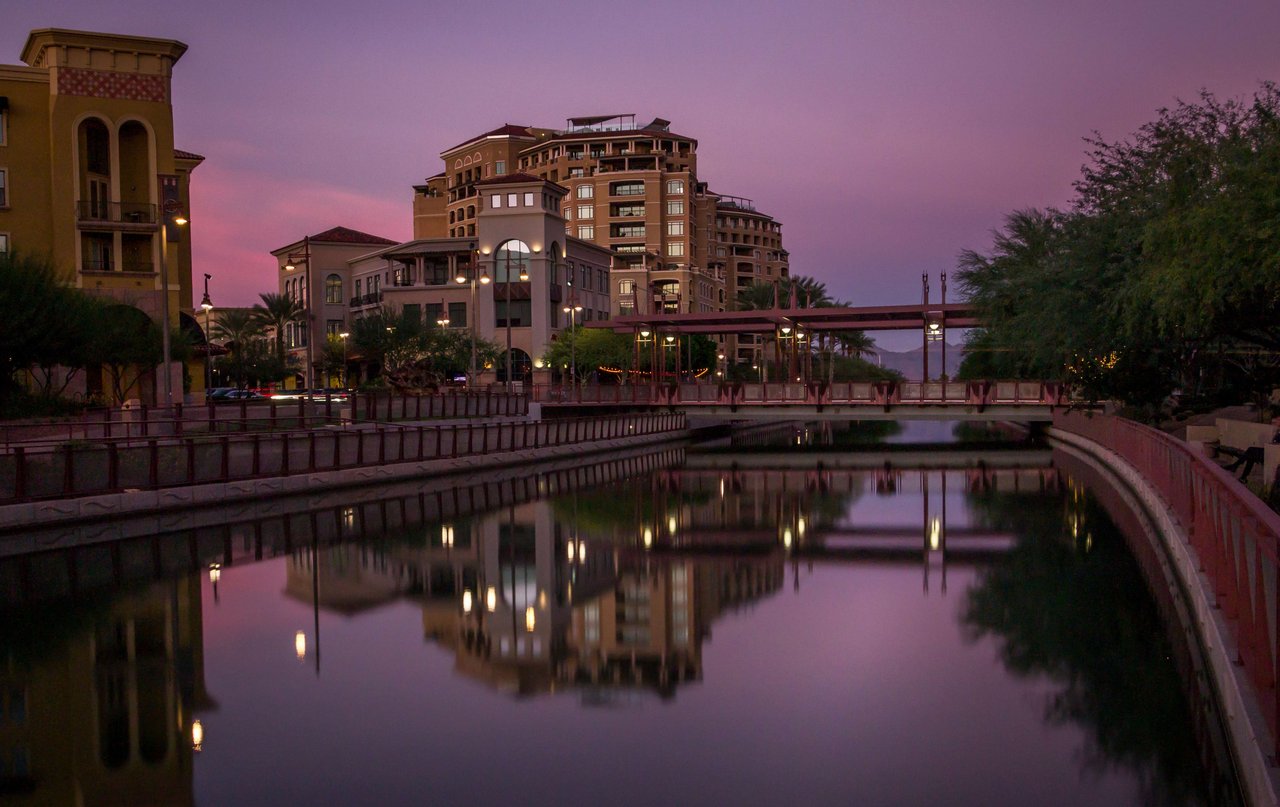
point(911, 362)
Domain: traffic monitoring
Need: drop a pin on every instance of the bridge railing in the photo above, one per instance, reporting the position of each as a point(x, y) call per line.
point(869, 393)
point(1235, 536)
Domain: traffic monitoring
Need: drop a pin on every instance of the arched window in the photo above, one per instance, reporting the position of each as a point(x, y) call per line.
point(333, 289)
point(511, 259)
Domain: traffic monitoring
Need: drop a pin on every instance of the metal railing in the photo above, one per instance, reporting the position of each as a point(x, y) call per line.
point(74, 470)
point(384, 406)
point(116, 212)
point(1234, 534)
point(865, 393)
point(114, 423)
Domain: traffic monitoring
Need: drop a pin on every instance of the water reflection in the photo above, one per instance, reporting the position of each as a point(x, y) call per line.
point(605, 583)
point(100, 699)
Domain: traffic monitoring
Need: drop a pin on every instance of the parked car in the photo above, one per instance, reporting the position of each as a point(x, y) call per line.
point(243, 395)
point(217, 393)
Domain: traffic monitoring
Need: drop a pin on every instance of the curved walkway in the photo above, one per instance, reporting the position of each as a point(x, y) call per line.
point(1221, 545)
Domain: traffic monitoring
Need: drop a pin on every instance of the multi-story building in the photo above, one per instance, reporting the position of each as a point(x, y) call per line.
point(90, 177)
point(518, 268)
point(315, 272)
point(633, 188)
point(509, 237)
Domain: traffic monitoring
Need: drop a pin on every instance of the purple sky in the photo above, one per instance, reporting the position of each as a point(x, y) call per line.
point(885, 136)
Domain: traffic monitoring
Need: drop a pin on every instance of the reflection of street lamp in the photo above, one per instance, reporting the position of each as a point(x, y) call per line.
point(197, 736)
point(207, 305)
point(484, 281)
point(572, 310)
point(165, 340)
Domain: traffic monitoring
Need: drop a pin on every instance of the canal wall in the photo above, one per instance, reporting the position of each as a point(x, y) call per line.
point(19, 517)
point(1243, 721)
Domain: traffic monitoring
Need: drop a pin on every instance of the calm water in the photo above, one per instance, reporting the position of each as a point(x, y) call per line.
point(717, 627)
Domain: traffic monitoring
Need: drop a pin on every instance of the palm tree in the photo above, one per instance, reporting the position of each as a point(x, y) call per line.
point(276, 312)
point(238, 329)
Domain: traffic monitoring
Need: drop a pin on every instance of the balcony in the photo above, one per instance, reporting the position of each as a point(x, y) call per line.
point(368, 299)
point(117, 215)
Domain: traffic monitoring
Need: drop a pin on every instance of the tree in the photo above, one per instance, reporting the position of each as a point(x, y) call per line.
point(241, 332)
point(127, 344)
point(275, 313)
point(42, 322)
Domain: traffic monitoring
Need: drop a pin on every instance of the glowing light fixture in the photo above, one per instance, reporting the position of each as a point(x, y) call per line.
point(466, 601)
point(491, 599)
point(300, 645)
point(197, 736)
point(530, 619)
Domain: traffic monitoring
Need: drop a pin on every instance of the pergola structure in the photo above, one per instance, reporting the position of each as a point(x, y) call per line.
point(798, 324)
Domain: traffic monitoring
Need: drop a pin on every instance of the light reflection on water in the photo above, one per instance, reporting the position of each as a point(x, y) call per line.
point(754, 630)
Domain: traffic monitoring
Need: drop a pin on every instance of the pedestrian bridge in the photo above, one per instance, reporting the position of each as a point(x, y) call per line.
point(866, 400)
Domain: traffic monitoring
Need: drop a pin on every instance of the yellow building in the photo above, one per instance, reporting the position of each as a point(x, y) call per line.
point(90, 178)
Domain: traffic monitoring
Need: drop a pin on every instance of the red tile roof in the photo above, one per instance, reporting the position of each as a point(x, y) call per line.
point(345, 235)
point(505, 130)
point(186, 155)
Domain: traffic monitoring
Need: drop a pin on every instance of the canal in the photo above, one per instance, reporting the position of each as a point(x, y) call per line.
point(805, 615)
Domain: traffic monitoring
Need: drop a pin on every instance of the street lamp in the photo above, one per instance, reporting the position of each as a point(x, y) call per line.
point(572, 310)
point(470, 277)
point(166, 346)
point(290, 264)
point(344, 336)
point(207, 305)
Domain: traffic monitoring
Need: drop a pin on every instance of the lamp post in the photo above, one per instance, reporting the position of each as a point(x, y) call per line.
point(290, 264)
point(207, 305)
point(484, 281)
point(572, 310)
point(166, 347)
point(344, 336)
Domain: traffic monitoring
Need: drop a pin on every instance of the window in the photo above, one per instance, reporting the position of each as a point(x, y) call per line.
point(332, 327)
point(586, 191)
point(576, 173)
point(333, 289)
point(4, 188)
point(675, 228)
point(628, 231)
point(528, 200)
point(495, 201)
point(500, 167)
point(513, 199)
point(510, 258)
point(601, 283)
point(521, 313)
point(629, 248)
point(357, 288)
point(675, 208)
point(586, 277)
point(627, 189)
point(586, 232)
point(457, 315)
point(4, 127)
point(4, 242)
point(586, 212)
point(675, 249)
point(675, 186)
point(568, 213)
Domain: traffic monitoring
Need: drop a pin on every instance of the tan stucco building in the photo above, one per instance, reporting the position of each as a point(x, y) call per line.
point(633, 188)
point(89, 175)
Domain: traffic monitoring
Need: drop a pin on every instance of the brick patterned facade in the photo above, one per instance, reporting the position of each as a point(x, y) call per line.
point(109, 84)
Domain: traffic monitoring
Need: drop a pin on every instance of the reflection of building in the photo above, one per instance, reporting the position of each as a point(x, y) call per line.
point(89, 172)
point(528, 603)
point(105, 717)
